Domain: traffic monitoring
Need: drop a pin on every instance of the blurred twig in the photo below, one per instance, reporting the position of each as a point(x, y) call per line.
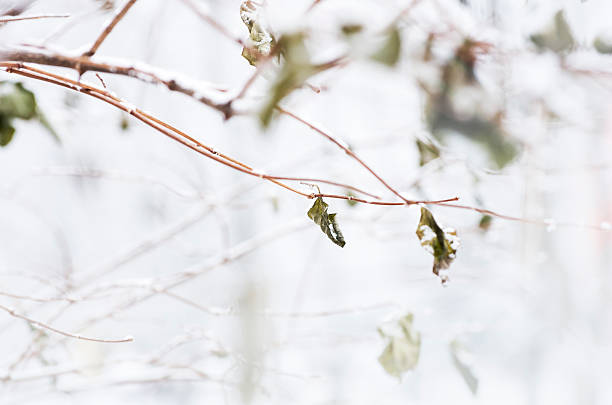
point(61, 332)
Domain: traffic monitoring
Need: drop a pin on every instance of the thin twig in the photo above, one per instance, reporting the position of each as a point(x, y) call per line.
point(61, 332)
point(215, 311)
point(107, 30)
point(346, 149)
point(32, 17)
point(542, 222)
point(181, 137)
point(101, 81)
point(211, 21)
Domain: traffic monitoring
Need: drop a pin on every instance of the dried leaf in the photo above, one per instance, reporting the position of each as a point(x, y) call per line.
point(557, 38)
point(460, 361)
point(327, 222)
point(351, 29)
point(403, 347)
point(427, 152)
point(389, 53)
point(261, 41)
point(442, 244)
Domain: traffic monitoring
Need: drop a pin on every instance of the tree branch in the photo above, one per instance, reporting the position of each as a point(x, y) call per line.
point(183, 138)
point(346, 149)
point(107, 30)
point(141, 72)
point(61, 332)
point(32, 17)
point(209, 20)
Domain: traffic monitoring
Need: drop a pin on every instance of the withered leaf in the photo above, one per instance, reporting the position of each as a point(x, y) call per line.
point(442, 244)
point(403, 347)
point(327, 222)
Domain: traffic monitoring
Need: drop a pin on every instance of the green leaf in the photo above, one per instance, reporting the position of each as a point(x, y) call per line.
point(485, 222)
point(389, 53)
point(296, 69)
point(261, 41)
point(460, 361)
point(602, 46)
point(350, 202)
point(327, 222)
point(427, 152)
point(6, 131)
point(557, 38)
point(403, 347)
point(442, 244)
point(18, 103)
point(124, 122)
point(42, 118)
point(486, 131)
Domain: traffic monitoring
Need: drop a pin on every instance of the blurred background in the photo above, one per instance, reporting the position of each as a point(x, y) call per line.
point(512, 99)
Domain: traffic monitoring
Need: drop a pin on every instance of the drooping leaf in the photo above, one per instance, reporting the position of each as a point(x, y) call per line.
point(602, 46)
point(389, 52)
point(318, 213)
point(441, 243)
point(261, 41)
point(42, 118)
point(401, 353)
point(16, 102)
point(461, 362)
point(124, 122)
point(485, 222)
point(6, 131)
point(351, 202)
point(427, 152)
point(557, 38)
point(296, 69)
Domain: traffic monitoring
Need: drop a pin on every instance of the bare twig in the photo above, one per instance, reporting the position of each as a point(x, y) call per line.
point(107, 30)
point(215, 311)
point(542, 222)
point(211, 21)
point(346, 149)
point(61, 332)
point(32, 17)
point(183, 138)
point(101, 81)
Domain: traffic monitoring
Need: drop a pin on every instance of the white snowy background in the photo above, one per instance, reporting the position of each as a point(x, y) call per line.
point(294, 320)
